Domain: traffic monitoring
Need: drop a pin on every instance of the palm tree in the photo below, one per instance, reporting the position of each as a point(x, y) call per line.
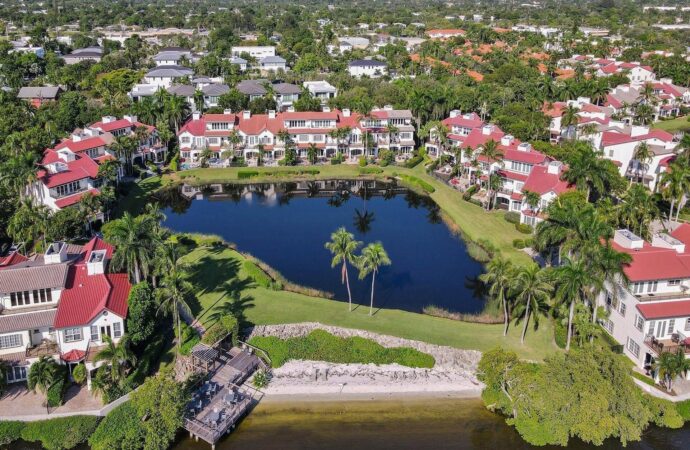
point(29, 223)
point(532, 198)
point(135, 241)
point(531, 291)
point(572, 281)
point(312, 153)
point(675, 183)
point(177, 110)
point(373, 257)
point(642, 156)
point(90, 205)
point(199, 102)
point(637, 210)
point(364, 107)
point(119, 357)
point(569, 121)
point(343, 247)
point(589, 172)
point(42, 375)
point(644, 113)
point(172, 297)
point(498, 276)
point(125, 147)
point(493, 154)
point(669, 365)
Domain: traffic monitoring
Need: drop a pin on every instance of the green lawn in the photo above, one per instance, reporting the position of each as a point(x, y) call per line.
point(138, 195)
point(472, 220)
point(220, 281)
point(674, 125)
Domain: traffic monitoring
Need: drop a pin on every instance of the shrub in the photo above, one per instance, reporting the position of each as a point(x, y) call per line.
point(519, 244)
point(261, 379)
point(477, 252)
point(79, 374)
point(226, 325)
point(320, 345)
point(61, 433)
point(370, 170)
point(414, 161)
point(362, 161)
point(512, 217)
point(467, 195)
point(119, 429)
point(244, 174)
point(56, 392)
point(386, 157)
point(10, 431)
point(664, 412)
point(524, 228)
point(529, 242)
point(190, 338)
point(256, 274)
point(414, 181)
point(175, 163)
point(684, 409)
point(560, 333)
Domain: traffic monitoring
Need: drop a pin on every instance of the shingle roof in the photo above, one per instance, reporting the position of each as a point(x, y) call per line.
point(27, 321)
point(286, 88)
point(170, 71)
point(250, 87)
point(35, 277)
point(215, 89)
point(49, 92)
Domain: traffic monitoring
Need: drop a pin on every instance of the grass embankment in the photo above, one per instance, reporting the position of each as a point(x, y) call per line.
point(320, 345)
point(470, 220)
point(674, 125)
point(223, 283)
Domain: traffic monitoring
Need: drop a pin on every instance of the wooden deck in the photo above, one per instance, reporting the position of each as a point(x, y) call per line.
point(215, 417)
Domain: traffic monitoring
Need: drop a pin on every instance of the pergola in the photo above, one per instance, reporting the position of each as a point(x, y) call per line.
point(204, 357)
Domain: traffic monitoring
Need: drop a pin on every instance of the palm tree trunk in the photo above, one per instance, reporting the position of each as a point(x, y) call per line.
point(680, 206)
point(371, 305)
point(137, 278)
point(670, 214)
point(570, 325)
point(524, 327)
point(505, 313)
point(347, 283)
point(179, 332)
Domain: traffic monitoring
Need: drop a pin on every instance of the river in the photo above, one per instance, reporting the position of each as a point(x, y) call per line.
point(434, 424)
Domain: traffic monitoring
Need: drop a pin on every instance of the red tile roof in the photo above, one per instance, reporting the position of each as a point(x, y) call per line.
point(543, 182)
point(14, 258)
point(73, 355)
point(655, 263)
point(664, 310)
point(74, 198)
point(82, 167)
point(83, 144)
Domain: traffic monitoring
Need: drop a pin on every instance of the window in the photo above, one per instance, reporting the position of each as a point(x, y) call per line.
point(637, 288)
point(608, 325)
point(651, 286)
point(72, 334)
point(520, 167)
point(622, 309)
point(20, 298)
point(17, 373)
point(671, 325)
point(94, 333)
point(639, 322)
point(117, 329)
point(633, 347)
point(687, 325)
point(67, 189)
point(11, 341)
point(220, 126)
point(651, 328)
point(674, 282)
point(185, 139)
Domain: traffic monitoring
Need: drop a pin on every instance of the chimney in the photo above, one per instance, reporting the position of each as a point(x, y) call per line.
point(246, 114)
point(96, 263)
point(291, 109)
point(196, 115)
point(454, 113)
point(554, 168)
point(628, 239)
point(665, 240)
point(346, 112)
point(272, 114)
point(55, 253)
point(638, 130)
point(130, 118)
point(326, 109)
point(76, 135)
point(524, 147)
point(507, 140)
point(388, 107)
point(107, 119)
point(487, 129)
point(227, 111)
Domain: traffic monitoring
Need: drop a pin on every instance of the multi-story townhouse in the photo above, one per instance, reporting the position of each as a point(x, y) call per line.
point(255, 51)
point(166, 76)
point(322, 90)
point(94, 54)
point(650, 314)
point(70, 169)
point(371, 68)
point(61, 304)
point(247, 134)
point(272, 64)
point(285, 95)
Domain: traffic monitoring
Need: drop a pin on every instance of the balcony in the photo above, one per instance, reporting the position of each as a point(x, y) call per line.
point(45, 348)
point(677, 341)
point(655, 296)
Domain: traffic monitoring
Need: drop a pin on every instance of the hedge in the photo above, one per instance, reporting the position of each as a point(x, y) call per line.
point(120, 426)
point(512, 217)
point(419, 183)
point(524, 228)
point(370, 170)
point(10, 431)
point(256, 274)
point(560, 333)
point(62, 433)
point(519, 244)
point(684, 409)
point(320, 345)
point(56, 392)
point(414, 161)
point(227, 324)
point(244, 174)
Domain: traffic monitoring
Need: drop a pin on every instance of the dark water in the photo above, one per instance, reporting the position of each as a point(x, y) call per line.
point(399, 425)
point(286, 225)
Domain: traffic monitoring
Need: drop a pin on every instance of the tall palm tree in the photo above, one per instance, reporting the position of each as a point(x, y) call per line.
point(569, 121)
point(29, 223)
point(669, 365)
point(343, 247)
point(372, 258)
point(532, 198)
point(119, 357)
point(199, 102)
point(572, 281)
point(172, 297)
point(364, 107)
point(531, 291)
point(493, 154)
point(638, 209)
point(135, 240)
point(177, 110)
point(642, 156)
point(90, 206)
point(675, 183)
point(498, 276)
point(589, 172)
point(312, 153)
point(42, 375)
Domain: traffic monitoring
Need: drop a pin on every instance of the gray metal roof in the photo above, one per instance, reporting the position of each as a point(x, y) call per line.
point(170, 71)
point(250, 87)
point(27, 321)
point(45, 276)
point(183, 90)
point(38, 92)
point(215, 89)
point(238, 60)
point(170, 55)
point(272, 60)
point(286, 88)
point(367, 63)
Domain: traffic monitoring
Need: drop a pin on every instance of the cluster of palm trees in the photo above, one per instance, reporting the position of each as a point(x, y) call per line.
point(164, 109)
point(668, 366)
point(343, 247)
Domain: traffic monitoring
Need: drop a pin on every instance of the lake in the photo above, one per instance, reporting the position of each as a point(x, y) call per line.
point(436, 424)
point(287, 224)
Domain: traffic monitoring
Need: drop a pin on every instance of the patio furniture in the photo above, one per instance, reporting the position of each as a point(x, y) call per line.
point(230, 398)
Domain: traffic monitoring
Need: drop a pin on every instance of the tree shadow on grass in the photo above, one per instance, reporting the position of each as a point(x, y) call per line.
point(230, 301)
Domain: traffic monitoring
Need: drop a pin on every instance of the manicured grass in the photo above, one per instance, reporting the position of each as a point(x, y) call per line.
point(221, 281)
point(471, 220)
point(673, 125)
point(138, 195)
point(320, 345)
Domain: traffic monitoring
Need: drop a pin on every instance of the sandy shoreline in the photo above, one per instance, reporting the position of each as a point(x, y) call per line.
point(336, 397)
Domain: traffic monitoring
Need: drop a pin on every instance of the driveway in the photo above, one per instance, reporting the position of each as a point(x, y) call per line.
point(19, 401)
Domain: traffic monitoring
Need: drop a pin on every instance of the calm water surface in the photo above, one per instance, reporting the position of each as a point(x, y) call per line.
point(400, 425)
point(286, 225)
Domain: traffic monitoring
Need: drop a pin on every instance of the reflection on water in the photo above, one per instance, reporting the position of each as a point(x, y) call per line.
point(414, 424)
point(287, 224)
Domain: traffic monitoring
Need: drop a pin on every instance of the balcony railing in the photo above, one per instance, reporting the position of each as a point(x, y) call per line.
point(45, 348)
point(659, 346)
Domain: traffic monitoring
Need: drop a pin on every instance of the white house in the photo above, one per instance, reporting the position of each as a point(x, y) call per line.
point(165, 76)
point(322, 90)
point(371, 68)
point(272, 64)
point(255, 51)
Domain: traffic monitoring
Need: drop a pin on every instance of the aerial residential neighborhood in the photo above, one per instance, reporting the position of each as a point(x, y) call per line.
point(288, 225)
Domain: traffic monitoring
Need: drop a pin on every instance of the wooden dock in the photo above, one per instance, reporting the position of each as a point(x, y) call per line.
point(210, 415)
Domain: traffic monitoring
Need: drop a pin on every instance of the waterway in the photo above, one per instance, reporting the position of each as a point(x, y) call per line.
point(287, 224)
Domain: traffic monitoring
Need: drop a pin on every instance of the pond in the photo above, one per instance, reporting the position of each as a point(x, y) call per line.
point(287, 224)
